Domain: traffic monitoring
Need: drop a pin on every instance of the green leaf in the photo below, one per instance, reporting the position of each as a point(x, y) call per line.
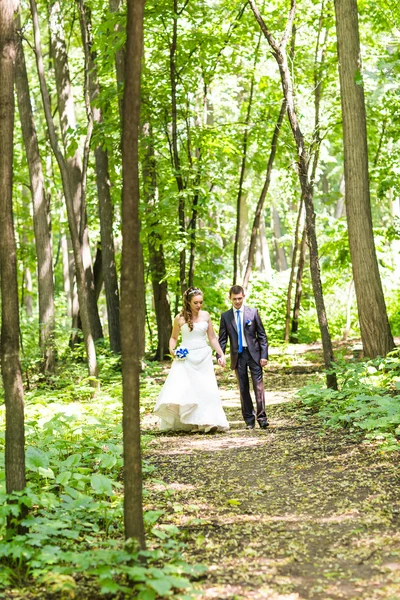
point(36, 458)
point(161, 586)
point(101, 484)
point(46, 472)
point(147, 594)
point(64, 477)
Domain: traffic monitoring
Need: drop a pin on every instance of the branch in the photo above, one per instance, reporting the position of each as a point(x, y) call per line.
point(289, 25)
point(272, 42)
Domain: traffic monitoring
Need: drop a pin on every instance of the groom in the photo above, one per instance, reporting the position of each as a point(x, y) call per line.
point(249, 351)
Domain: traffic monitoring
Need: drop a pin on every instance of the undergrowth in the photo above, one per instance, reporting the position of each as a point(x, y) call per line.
point(69, 541)
point(368, 399)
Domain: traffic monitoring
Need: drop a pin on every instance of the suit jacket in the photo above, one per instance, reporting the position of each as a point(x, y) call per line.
point(253, 330)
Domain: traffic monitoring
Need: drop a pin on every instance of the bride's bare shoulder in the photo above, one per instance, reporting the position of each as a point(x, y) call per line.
point(204, 315)
point(179, 320)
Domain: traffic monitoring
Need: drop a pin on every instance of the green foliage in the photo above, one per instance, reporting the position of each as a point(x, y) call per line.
point(73, 532)
point(368, 399)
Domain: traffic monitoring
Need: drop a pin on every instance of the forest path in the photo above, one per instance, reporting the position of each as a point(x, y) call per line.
point(287, 513)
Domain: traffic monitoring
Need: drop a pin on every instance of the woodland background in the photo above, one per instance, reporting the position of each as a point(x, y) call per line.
point(231, 160)
point(227, 98)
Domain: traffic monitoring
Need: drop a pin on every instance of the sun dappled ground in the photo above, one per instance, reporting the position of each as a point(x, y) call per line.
point(289, 513)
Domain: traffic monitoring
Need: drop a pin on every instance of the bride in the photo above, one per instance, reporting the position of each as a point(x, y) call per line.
point(189, 399)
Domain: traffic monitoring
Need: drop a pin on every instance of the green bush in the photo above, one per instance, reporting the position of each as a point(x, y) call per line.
point(368, 399)
point(71, 511)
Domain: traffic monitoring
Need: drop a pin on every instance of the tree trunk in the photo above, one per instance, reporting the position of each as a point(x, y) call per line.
point(292, 269)
point(9, 344)
point(318, 64)
point(280, 54)
point(293, 339)
point(132, 282)
point(103, 192)
point(84, 294)
point(41, 223)
point(374, 325)
point(156, 251)
point(263, 195)
point(76, 171)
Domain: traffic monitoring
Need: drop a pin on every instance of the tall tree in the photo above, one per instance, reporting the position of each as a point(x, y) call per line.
point(9, 343)
point(80, 250)
point(132, 283)
point(41, 221)
point(280, 54)
point(75, 163)
point(374, 325)
point(319, 61)
point(103, 183)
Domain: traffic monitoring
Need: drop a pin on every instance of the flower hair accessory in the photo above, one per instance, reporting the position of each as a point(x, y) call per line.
point(181, 353)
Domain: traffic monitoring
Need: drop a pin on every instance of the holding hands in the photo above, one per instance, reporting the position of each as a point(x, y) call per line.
point(222, 361)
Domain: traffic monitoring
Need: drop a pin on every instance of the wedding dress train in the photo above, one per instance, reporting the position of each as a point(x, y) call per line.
point(189, 399)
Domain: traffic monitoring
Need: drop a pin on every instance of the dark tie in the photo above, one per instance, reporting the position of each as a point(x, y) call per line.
point(239, 326)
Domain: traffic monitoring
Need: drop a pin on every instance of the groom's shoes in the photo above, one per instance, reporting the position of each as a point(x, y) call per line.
point(250, 426)
point(263, 424)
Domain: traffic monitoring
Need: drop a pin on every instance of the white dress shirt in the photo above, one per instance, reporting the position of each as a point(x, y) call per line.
point(241, 310)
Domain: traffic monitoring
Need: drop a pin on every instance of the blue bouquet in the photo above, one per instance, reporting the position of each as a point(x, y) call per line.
point(181, 353)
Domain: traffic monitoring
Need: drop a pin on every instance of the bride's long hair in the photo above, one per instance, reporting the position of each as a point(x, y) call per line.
point(186, 311)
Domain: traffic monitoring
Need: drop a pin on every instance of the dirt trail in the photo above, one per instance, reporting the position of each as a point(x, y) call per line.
point(285, 513)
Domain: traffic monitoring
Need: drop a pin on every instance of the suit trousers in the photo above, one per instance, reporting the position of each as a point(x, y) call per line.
point(245, 363)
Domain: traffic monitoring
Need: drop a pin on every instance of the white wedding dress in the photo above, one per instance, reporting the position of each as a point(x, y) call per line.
point(189, 399)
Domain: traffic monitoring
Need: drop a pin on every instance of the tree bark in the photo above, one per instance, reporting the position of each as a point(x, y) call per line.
point(76, 170)
point(263, 195)
point(78, 248)
point(318, 64)
point(132, 282)
point(9, 343)
point(375, 330)
point(280, 54)
point(156, 252)
point(103, 190)
point(293, 339)
point(41, 224)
